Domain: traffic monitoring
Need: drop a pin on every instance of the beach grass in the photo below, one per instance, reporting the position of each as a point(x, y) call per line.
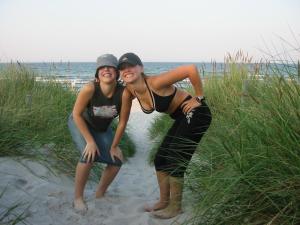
point(12, 214)
point(33, 121)
point(247, 168)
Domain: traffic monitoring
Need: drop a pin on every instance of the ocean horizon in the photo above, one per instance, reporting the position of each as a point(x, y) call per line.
point(86, 70)
point(81, 68)
point(79, 73)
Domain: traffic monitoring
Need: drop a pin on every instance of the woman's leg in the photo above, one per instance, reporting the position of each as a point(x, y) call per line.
point(82, 168)
point(164, 190)
point(186, 138)
point(81, 177)
point(162, 172)
point(108, 175)
point(104, 142)
point(174, 207)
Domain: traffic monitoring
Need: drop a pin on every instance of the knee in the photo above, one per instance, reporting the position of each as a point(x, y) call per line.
point(84, 166)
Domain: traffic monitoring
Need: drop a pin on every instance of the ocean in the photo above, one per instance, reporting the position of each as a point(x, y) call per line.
point(78, 73)
point(84, 70)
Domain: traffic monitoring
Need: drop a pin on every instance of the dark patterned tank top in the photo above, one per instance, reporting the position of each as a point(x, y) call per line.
point(101, 110)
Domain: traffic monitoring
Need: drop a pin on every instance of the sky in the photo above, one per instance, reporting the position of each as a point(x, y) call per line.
point(156, 30)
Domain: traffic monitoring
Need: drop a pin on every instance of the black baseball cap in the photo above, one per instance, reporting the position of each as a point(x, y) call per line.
point(131, 59)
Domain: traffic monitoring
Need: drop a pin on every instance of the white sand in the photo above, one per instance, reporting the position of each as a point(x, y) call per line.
point(50, 197)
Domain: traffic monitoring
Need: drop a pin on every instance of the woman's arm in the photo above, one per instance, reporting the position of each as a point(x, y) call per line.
point(178, 74)
point(123, 119)
point(80, 105)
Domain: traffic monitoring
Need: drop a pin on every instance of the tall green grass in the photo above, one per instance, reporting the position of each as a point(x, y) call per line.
point(247, 168)
point(33, 121)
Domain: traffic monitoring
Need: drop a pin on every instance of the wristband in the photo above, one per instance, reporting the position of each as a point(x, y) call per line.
point(200, 98)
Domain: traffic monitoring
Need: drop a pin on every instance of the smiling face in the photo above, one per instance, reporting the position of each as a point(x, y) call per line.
point(129, 73)
point(107, 74)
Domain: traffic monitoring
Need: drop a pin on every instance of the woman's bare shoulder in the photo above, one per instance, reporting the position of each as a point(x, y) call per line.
point(89, 86)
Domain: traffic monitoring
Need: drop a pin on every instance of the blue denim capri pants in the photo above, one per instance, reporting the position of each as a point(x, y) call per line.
point(102, 139)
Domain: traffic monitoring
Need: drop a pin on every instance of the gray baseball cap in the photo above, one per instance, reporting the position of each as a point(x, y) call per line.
point(107, 60)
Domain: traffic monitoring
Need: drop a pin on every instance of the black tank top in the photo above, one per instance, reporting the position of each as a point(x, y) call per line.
point(159, 103)
point(101, 110)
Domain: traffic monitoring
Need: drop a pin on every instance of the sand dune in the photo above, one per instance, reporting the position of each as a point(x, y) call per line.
point(50, 197)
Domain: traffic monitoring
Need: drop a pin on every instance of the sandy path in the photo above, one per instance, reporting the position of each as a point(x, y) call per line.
point(50, 196)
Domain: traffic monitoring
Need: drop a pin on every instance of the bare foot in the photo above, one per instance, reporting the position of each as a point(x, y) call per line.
point(80, 206)
point(167, 213)
point(156, 206)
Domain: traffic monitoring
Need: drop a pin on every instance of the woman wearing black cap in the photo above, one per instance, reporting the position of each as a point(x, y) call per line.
point(97, 104)
point(191, 116)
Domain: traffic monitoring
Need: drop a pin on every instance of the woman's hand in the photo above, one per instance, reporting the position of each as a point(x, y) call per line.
point(116, 152)
point(90, 152)
point(189, 105)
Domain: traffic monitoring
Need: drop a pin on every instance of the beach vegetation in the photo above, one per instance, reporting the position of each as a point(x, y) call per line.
point(33, 121)
point(247, 168)
point(14, 213)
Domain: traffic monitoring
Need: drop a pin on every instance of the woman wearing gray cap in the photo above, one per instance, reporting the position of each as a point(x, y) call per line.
point(97, 104)
point(191, 117)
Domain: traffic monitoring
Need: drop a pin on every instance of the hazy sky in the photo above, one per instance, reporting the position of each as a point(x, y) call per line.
point(157, 30)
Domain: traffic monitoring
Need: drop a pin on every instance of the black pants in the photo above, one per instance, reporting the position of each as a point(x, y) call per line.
point(181, 141)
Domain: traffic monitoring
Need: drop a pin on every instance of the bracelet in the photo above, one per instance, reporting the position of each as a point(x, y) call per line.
point(200, 98)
